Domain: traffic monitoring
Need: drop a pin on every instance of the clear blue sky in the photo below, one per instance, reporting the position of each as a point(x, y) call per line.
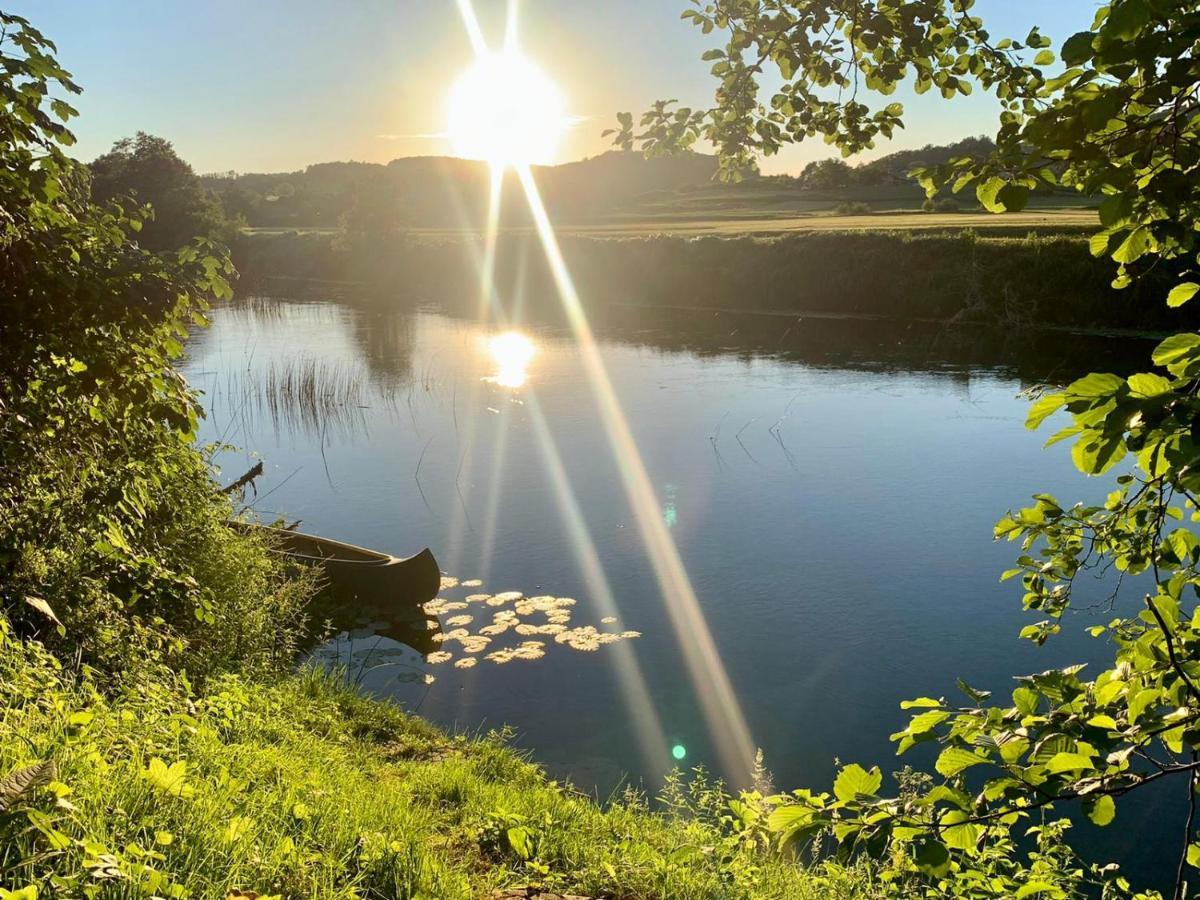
point(273, 85)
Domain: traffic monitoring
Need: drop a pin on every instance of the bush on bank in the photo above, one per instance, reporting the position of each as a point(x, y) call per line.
point(952, 275)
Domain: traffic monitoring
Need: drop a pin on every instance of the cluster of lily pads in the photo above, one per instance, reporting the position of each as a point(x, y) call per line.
point(494, 615)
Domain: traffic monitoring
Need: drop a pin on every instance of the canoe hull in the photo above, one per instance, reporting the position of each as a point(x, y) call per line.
point(367, 590)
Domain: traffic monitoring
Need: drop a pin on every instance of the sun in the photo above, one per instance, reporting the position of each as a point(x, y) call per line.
point(505, 110)
point(512, 352)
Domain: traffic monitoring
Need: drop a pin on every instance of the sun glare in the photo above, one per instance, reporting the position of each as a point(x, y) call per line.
point(512, 352)
point(506, 111)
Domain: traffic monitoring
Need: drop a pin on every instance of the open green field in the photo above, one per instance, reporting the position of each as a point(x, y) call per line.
point(732, 223)
point(900, 220)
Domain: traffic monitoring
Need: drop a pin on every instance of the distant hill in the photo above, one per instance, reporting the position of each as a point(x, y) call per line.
point(446, 192)
point(437, 191)
point(896, 166)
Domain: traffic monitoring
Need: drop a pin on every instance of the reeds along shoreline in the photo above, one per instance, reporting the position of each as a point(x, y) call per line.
point(958, 276)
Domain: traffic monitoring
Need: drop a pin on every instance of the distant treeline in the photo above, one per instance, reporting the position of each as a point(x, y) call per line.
point(434, 191)
point(835, 174)
point(442, 192)
point(961, 276)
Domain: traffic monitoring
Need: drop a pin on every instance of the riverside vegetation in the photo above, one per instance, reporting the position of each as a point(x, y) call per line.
point(945, 275)
point(153, 742)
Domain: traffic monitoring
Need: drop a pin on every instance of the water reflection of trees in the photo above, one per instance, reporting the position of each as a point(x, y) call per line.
point(316, 396)
point(315, 392)
point(387, 338)
point(958, 351)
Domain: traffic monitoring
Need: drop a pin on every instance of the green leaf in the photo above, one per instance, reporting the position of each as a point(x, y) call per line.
point(854, 781)
point(933, 858)
point(1135, 246)
point(927, 721)
point(1177, 352)
point(1043, 408)
point(1098, 243)
point(1114, 211)
point(1063, 434)
point(1045, 58)
point(988, 193)
point(1068, 762)
point(521, 841)
point(169, 779)
point(1127, 19)
point(1148, 385)
point(238, 828)
point(921, 703)
point(953, 760)
point(958, 832)
point(1101, 810)
point(785, 818)
point(1013, 197)
point(1182, 293)
point(1025, 700)
point(1038, 887)
point(1193, 855)
point(1077, 49)
point(1095, 455)
point(1095, 385)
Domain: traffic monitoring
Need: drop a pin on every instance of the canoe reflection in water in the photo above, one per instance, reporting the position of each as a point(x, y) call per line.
point(366, 593)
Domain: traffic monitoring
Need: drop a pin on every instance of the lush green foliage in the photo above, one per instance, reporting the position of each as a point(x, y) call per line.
point(299, 787)
point(114, 545)
point(147, 170)
point(959, 275)
point(1118, 124)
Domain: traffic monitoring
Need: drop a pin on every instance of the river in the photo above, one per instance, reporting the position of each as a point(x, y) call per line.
point(822, 493)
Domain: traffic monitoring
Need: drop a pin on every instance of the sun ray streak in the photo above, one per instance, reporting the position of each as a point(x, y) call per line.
point(491, 232)
point(510, 25)
point(722, 711)
point(648, 726)
point(471, 22)
point(710, 681)
point(491, 519)
point(488, 303)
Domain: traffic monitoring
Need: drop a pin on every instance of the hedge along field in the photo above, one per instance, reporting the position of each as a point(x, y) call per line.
point(1038, 280)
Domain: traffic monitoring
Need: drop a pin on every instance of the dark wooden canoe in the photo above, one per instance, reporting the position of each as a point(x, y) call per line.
point(366, 590)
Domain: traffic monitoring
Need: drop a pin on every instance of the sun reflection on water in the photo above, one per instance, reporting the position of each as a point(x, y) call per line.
point(512, 352)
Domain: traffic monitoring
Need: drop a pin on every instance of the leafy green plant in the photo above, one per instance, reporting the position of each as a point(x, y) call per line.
point(1119, 124)
point(114, 545)
point(853, 208)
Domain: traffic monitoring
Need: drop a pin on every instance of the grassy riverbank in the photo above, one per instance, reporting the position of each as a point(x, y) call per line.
point(296, 787)
point(951, 275)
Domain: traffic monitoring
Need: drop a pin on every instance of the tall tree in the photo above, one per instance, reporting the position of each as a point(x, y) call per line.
point(1118, 123)
point(147, 169)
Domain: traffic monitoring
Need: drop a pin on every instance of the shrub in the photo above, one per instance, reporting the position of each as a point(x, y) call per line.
point(853, 208)
point(114, 544)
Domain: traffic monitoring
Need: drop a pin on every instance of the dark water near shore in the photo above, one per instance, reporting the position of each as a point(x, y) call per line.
point(830, 487)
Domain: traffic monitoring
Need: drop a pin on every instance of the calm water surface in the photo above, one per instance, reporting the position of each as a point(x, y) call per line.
point(830, 487)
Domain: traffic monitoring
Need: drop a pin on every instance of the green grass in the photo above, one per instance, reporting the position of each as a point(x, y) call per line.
point(298, 787)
